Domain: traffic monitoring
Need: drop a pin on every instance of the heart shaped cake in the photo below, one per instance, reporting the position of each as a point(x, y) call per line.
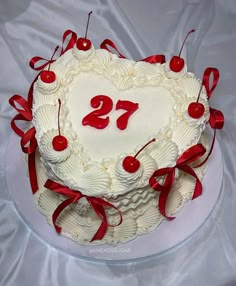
point(113, 142)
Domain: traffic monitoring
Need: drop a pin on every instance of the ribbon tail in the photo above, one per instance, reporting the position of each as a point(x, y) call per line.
point(164, 189)
point(103, 203)
point(58, 210)
point(210, 151)
point(71, 37)
point(32, 172)
point(29, 138)
point(100, 211)
point(198, 185)
point(30, 93)
point(101, 231)
point(106, 43)
point(198, 190)
point(14, 127)
point(162, 203)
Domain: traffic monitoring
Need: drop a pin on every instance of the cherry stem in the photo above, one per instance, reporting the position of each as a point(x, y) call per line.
point(185, 41)
point(153, 140)
point(50, 61)
point(86, 31)
point(58, 116)
point(200, 92)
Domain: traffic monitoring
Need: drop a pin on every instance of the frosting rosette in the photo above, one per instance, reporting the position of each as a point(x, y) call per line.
point(164, 152)
point(126, 181)
point(174, 75)
point(101, 59)
point(182, 111)
point(94, 181)
point(122, 67)
point(48, 88)
point(121, 72)
point(191, 86)
point(144, 72)
point(84, 56)
point(47, 150)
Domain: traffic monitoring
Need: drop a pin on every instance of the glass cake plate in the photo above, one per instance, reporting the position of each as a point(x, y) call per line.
point(153, 244)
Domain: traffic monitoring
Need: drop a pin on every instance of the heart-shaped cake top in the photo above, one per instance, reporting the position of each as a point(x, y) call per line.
point(110, 108)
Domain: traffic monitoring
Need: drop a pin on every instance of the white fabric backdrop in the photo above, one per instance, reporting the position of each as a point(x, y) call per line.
point(139, 28)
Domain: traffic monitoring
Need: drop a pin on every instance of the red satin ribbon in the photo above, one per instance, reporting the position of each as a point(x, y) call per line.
point(69, 36)
point(25, 111)
point(28, 140)
point(155, 59)
point(152, 59)
point(36, 60)
point(189, 156)
point(32, 172)
point(105, 45)
point(207, 78)
point(97, 204)
point(216, 119)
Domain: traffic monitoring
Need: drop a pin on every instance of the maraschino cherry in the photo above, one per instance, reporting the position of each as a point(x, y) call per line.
point(196, 109)
point(130, 163)
point(59, 142)
point(177, 63)
point(48, 76)
point(84, 44)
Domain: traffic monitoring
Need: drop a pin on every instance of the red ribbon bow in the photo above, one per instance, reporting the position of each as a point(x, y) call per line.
point(69, 36)
point(25, 114)
point(151, 59)
point(206, 80)
point(216, 119)
point(28, 140)
point(35, 60)
point(97, 204)
point(189, 156)
point(216, 116)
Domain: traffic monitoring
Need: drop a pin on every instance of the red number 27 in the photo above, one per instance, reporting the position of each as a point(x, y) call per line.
point(104, 105)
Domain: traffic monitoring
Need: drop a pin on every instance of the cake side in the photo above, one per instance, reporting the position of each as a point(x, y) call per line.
point(139, 209)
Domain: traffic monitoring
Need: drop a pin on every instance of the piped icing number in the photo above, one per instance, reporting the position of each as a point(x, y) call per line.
point(130, 108)
point(104, 105)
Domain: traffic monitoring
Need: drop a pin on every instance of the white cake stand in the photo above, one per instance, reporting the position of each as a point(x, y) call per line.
point(155, 243)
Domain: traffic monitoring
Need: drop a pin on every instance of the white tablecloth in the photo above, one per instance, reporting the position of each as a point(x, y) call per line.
point(139, 28)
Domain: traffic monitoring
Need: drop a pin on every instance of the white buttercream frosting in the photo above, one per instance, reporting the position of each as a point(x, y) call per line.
point(84, 56)
point(92, 161)
point(48, 88)
point(47, 149)
point(175, 75)
point(127, 177)
point(126, 181)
